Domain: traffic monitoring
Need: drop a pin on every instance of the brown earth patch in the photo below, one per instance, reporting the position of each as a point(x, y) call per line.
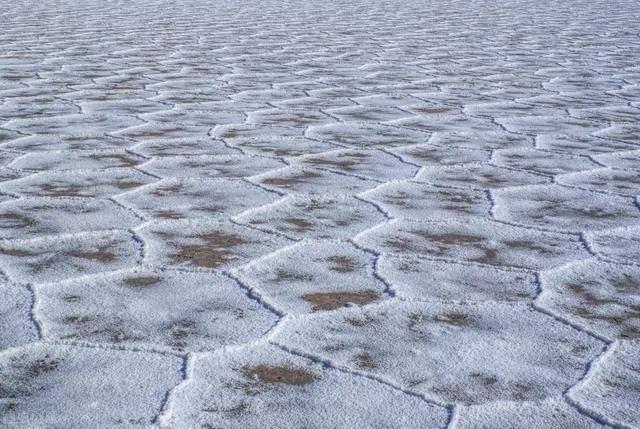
point(123, 160)
point(48, 190)
point(332, 300)
point(142, 281)
point(364, 360)
point(293, 180)
point(303, 224)
point(214, 252)
point(17, 220)
point(16, 252)
point(454, 318)
point(128, 184)
point(99, 255)
point(168, 214)
point(42, 366)
point(272, 374)
point(283, 275)
point(343, 264)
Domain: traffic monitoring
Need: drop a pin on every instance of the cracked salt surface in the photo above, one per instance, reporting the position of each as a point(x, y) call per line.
point(339, 214)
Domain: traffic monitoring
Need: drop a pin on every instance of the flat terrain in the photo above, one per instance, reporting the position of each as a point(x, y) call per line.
point(320, 214)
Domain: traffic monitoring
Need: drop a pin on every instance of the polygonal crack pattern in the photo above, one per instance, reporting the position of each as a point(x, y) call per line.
point(74, 379)
point(550, 413)
point(205, 244)
point(483, 242)
point(261, 382)
point(497, 348)
point(612, 386)
point(319, 214)
point(182, 311)
point(316, 276)
point(598, 296)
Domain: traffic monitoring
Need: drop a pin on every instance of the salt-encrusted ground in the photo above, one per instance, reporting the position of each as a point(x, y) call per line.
point(320, 214)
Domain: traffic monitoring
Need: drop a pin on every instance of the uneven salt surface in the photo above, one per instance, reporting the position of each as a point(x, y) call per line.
point(287, 391)
point(320, 214)
point(509, 352)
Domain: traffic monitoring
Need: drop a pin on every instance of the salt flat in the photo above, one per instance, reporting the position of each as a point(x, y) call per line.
point(305, 214)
